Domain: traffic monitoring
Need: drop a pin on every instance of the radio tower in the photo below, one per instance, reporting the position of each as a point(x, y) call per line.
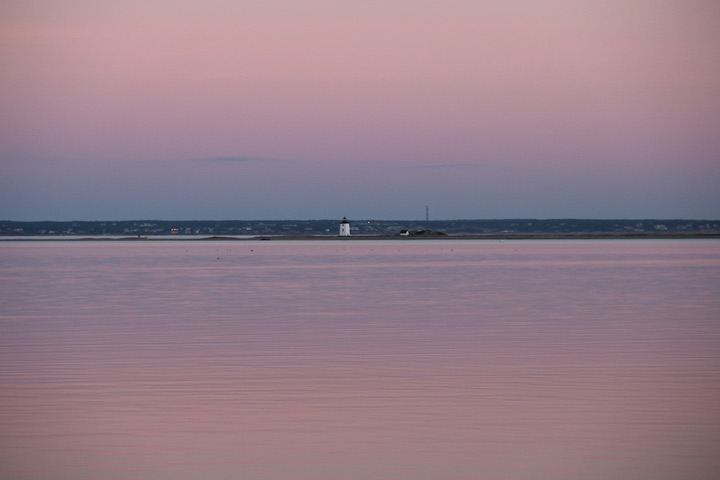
point(427, 213)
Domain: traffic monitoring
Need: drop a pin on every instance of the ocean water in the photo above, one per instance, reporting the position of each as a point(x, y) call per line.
point(414, 359)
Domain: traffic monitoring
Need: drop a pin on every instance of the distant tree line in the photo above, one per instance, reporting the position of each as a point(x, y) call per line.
point(358, 227)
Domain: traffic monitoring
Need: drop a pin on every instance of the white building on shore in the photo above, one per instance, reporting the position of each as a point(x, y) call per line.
point(344, 227)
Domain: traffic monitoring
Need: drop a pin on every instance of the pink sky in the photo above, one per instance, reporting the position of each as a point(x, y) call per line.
point(319, 109)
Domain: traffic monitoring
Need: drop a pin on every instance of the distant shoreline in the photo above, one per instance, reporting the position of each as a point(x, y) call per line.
point(435, 236)
point(370, 229)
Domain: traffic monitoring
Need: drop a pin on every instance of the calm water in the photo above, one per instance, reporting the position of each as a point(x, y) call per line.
point(360, 360)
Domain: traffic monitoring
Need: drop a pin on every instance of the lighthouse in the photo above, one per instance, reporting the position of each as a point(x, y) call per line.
point(344, 227)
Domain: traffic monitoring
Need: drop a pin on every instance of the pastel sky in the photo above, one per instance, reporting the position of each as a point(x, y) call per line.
point(305, 109)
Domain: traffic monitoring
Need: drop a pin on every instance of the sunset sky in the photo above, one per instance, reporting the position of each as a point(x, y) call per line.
point(312, 109)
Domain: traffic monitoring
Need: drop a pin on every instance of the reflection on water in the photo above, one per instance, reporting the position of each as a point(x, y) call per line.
point(360, 360)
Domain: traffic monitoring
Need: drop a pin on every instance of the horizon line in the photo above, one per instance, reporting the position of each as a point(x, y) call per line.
point(374, 220)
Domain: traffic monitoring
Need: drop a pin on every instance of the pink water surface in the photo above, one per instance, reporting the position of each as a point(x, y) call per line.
point(360, 360)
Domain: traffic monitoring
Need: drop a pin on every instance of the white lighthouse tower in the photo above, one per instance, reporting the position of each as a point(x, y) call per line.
point(344, 227)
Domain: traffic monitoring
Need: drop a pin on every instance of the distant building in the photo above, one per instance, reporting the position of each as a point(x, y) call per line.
point(344, 227)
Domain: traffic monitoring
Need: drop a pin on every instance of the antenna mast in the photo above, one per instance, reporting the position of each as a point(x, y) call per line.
point(427, 213)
